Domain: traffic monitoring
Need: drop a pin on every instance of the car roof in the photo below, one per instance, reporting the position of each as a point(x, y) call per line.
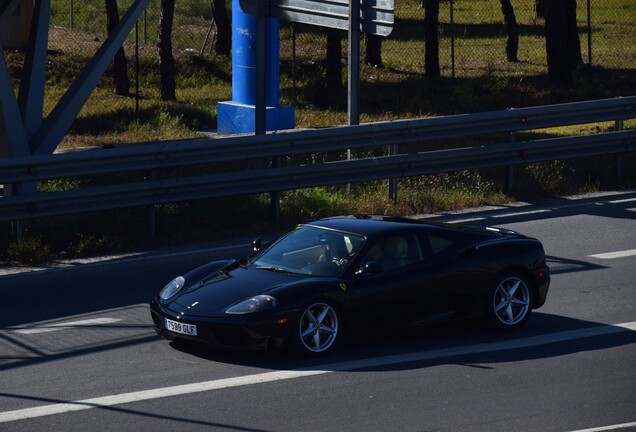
point(370, 225)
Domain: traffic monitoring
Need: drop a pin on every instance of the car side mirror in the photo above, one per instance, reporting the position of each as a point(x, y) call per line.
point(372, 267)
point(256, 245)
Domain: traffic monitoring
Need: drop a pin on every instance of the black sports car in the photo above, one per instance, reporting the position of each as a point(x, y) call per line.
point(309, 285)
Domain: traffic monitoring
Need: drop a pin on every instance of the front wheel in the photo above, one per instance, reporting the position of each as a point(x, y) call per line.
point(318, 328)
point(510, 302)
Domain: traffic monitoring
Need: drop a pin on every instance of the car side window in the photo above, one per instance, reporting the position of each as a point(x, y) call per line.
point(394, 252)
point(439, 244)
point(435, 246)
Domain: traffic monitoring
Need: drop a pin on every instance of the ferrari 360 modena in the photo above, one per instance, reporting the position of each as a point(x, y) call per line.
point(338, 276)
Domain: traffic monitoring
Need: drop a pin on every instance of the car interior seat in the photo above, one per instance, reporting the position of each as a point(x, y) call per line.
point(396, 249)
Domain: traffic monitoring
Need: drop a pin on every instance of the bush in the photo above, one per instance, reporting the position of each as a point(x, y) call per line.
point(29, 251)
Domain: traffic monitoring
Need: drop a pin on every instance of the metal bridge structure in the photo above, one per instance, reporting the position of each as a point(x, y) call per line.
point(23, 131)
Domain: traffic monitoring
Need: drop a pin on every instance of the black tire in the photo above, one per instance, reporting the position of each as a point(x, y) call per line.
point(509, 303)
point(318, 328)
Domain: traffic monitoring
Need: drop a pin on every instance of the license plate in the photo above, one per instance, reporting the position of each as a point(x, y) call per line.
point(177, 327)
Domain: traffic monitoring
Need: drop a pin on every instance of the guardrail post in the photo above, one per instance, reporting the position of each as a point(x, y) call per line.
point(17, 231)
point(618, 158)
point(275, 196)
point(17, 226)
point(393, 182)
point(510, 173)
point(151, 214)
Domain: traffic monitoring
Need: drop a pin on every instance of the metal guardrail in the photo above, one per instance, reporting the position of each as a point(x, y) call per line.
point(202, 151)
point(188, 152)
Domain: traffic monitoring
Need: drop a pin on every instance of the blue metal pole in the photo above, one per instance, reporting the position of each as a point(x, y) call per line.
point(238, 115)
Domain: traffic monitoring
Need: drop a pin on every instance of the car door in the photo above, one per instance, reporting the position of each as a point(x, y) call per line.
point(395, 288)
point(451, 264)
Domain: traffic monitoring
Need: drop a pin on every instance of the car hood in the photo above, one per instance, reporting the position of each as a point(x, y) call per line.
point(212, 294)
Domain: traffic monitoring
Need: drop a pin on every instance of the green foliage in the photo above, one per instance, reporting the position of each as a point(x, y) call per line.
point(195, 9)
point(211, 218)
point(166, 119)
point(31, 250)
point(448, 191)
point(550, 178)
point(314, 203)
point(90, 245)
point(61, 184)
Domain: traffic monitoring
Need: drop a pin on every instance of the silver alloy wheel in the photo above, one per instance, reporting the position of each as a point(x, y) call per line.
point(318, 327)
point(511, 301)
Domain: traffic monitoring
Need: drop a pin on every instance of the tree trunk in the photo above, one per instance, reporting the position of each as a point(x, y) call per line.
point(166, 60)
point(373, 50)
point(223, 42)
point(563, 47)
point(539, 9)
point(512, 43)
point(431, 44)
point(575, 59)
point(120, 67)
point(334, 63)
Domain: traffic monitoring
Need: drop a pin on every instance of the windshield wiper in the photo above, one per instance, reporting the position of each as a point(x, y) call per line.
point(273, 269)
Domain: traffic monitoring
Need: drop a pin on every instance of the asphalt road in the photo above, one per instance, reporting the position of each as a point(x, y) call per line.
point(78, 351)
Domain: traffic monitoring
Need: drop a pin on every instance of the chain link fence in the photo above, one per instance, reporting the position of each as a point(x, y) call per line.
point(472, 40)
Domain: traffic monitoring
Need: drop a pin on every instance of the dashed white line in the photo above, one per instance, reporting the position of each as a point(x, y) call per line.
point(622, 201)
point(44, 328)
point(522, 213)
point(614, 255)
point(119, 399)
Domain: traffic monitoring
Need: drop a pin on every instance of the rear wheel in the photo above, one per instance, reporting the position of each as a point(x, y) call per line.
point(510, 301)
point(318, 328)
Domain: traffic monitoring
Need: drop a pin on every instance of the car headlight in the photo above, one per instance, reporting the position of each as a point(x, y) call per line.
point(255, 304)
point(172, 288)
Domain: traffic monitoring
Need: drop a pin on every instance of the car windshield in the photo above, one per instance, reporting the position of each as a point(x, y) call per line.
point(310, 250)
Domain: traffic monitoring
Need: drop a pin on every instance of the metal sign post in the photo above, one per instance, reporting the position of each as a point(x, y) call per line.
point(261, 74)
point(260, 102)
point(370, 16)
point(353, 80)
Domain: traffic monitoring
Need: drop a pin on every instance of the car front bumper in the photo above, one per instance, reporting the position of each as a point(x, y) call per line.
point(232, 333)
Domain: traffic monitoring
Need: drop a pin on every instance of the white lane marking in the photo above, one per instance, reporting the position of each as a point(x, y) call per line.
point(613, 255)
point(144, 395)
point(506, 212)
point(44, 328)
point(622, 201)
point(466, 221)
point(510, 211)
point(607, 428)
point(522, 213)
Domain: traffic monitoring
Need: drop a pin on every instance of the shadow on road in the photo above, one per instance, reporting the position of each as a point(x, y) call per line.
point(560, 265)
point(470, 342)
